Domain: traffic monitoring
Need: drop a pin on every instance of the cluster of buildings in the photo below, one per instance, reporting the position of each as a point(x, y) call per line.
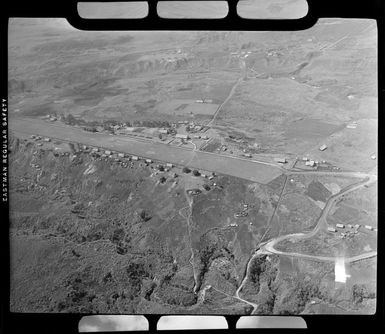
point(242, 213)
point(349, 229)
point(50, 118)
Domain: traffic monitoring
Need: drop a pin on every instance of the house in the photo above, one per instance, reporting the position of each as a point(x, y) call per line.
point(163, 131)
point(332, 229)
point(247, 155)
point(135, 158)
point(182, 136)
point(323, 147)
point(47, 139)
point(199, 101)
point(148, 161)
point(280, 160)
point(352, 126)
point(198, 128)
point(340, 225)
point(368, 227)
point(169, 165)
point(121, 155)
point(107, 152)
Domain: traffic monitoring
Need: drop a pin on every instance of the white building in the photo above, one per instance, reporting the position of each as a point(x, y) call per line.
point(135, 158)
point(163, 131)
point(169, 165)
point(47, 139)
point(332, 229)
point(121, 155)
point(368, 227)
point(148, 161)
point(310, 163)
point(107, 152)
point(323, 147)
point(181, 136)
point(340, 225)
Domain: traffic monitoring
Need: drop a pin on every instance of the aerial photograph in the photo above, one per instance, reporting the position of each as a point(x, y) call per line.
point(193, 172)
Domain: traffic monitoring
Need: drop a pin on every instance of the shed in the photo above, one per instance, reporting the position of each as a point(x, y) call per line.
point(332, 229)
point(340, 225)
point(323, 147)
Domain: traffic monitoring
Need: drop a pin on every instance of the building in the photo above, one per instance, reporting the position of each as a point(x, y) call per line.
point(247, 155)
point(163, 131)
point(323, 147)
point(148, 161)
point(352, 126)
point(305, 159)
point(373, 157)
point(169, 165)
point(332, 229)
point(310, 163)
point(107, 152)
point(204, 137)
point(340, 225)
point(199, 101)
point(182, 136)
point(198, 128)
point(121, 155)
point(135, 158)
point(350, 225)
point(368, 227)
point(280, 160)
point(47, 139)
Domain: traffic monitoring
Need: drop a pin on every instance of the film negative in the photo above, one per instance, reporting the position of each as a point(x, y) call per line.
point(192, 165)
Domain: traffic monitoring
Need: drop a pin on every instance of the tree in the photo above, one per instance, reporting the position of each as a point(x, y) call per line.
point(162, 179)
point(196, 172)
point(161, 168)
point(186, 170)
point(206, 187)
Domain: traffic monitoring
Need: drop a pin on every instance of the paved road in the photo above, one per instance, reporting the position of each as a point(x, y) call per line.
point(252, 170)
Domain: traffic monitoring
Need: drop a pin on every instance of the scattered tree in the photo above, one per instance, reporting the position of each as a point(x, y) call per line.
point(186, 170)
